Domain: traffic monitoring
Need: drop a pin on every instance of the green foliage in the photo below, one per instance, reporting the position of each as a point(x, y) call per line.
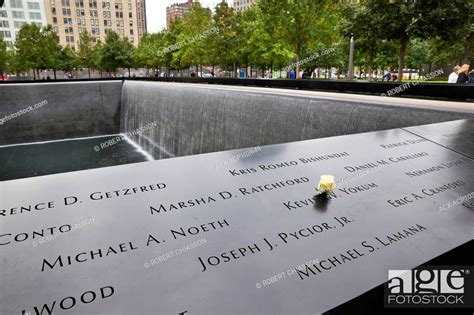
point(97, 55)
point(192, 35)
point(3, 56)
point(225, 43)
point(303, 25)
point(271, 35)
point(146, 54)
point(402, 20)
point(29, 53)
point(37, 48)
point(115, 53)
point(68, 60)
point(86, 52)
point(51, 53)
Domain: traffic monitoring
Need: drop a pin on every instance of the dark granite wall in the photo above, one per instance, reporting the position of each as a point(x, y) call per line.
point(73, 109)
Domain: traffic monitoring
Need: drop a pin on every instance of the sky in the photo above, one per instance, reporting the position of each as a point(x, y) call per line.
point(156, 12)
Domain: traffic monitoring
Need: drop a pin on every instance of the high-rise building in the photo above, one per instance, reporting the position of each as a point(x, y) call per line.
point(141, 18)
point(240, 5)
point(98, 17)
point(15, 13)
point(177, 10)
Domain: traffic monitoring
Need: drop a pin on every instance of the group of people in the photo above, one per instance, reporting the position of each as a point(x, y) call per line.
point(461, 74)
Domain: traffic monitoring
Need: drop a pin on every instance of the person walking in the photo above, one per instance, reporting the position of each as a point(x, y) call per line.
point(453, 77)
point(462, 74)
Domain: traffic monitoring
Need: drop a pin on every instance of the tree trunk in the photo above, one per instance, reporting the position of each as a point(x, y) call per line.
point(467, 48)
point(54, 71)
point(401, 61)
point(298, 66)
point(235, 69)
point(34, 74)
point(371, 64)
point(89, 71)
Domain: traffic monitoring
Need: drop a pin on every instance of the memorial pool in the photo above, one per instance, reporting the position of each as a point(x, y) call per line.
point(253, 216)
point(164, 120)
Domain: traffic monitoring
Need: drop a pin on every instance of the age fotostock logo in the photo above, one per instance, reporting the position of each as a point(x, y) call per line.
point(430, 287)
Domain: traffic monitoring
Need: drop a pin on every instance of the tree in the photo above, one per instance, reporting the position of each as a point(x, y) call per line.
point(358, 22)
point(223, 42)
point(126, 57)
point(109, 52)
point(257, 44)
point(402, 20)
point(386, 54)
point(324, 48)
point(68, 60)
point(469, 42)
point(295, 22)
point(28, 50)
point(86, 52)
point(50, 50)
point(146, 55)
point(3, 56)
point(444, 52)
point(194, 36)
point(37, 48)
point(97, 56)
point(171, 51)
point(115, 53)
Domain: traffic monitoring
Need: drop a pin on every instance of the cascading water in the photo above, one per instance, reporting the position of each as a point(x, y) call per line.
point(194, 119)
